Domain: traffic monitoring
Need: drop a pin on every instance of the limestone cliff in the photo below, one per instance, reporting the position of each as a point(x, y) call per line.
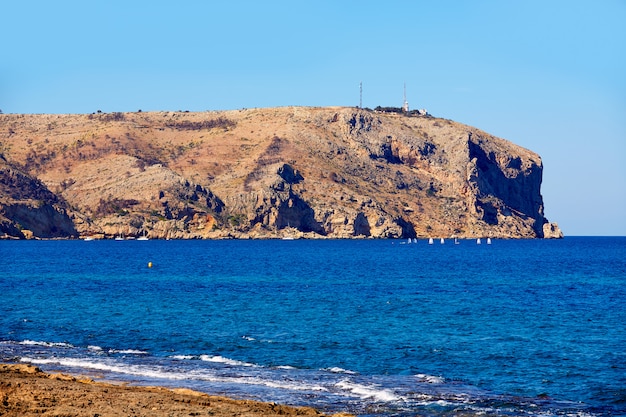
point(303, 172)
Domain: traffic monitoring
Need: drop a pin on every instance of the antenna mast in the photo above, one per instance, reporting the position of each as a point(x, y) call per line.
point(361, 95)
point(405, 104)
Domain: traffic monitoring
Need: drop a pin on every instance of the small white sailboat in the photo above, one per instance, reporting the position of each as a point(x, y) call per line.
point(143, 236)
point(456, 241)
point(442, 241)
point(430, 241)
point(489, 241)
point(478, 241)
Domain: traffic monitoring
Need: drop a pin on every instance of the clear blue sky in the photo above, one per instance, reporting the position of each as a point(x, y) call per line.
point(547, 75)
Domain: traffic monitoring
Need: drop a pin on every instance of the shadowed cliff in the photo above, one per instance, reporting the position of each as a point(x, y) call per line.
point(29, 209)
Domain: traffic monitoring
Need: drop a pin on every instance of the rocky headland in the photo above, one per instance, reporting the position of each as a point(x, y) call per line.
point(332, 172)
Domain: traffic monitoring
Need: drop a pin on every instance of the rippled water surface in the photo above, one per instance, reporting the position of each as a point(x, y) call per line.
point(374, 327)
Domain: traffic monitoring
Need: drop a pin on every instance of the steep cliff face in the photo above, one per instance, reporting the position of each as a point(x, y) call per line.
point(505, 185)
point(28, 209)
point(293, 171)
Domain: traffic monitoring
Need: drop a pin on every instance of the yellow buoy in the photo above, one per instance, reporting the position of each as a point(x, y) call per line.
point(149, 264)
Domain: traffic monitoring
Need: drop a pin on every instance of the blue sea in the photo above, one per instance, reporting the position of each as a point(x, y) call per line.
point(371, 327)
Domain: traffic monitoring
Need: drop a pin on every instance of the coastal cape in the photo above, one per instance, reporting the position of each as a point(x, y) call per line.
point(332, 172)
point(26, 391)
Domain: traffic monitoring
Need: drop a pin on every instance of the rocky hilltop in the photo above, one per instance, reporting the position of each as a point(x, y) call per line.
point(333, 172)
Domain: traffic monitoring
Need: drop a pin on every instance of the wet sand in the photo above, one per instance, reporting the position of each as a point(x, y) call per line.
point(26, 391)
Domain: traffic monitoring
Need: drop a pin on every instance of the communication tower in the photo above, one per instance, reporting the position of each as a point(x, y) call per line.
point(405, 104)
point(361, 95)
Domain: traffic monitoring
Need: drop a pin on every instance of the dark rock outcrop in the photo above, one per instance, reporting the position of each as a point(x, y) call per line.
point(28, 209)
point(504, 186)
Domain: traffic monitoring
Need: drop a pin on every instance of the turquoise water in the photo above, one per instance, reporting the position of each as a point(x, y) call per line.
point(374, 327)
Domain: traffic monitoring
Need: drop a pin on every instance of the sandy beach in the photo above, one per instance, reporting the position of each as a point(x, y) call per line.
point(26, 391)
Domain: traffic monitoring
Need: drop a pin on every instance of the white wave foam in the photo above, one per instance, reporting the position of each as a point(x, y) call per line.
point(337, 370)
point(248, 338)
point(128, 351)
point(159, 373)
point(102, 366)
point(292, 385)
point(183, 357)
point(368, 392)
point(226, 361)
point(431, 379)
point(46, 344)
point(94, 348)
point(444, 403)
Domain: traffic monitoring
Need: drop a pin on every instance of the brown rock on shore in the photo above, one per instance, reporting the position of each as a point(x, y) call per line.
point(27, 391)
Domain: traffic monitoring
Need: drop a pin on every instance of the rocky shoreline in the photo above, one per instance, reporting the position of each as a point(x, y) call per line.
point(27, 391)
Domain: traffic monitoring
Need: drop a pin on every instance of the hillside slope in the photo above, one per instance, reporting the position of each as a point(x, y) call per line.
point(315, 172)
